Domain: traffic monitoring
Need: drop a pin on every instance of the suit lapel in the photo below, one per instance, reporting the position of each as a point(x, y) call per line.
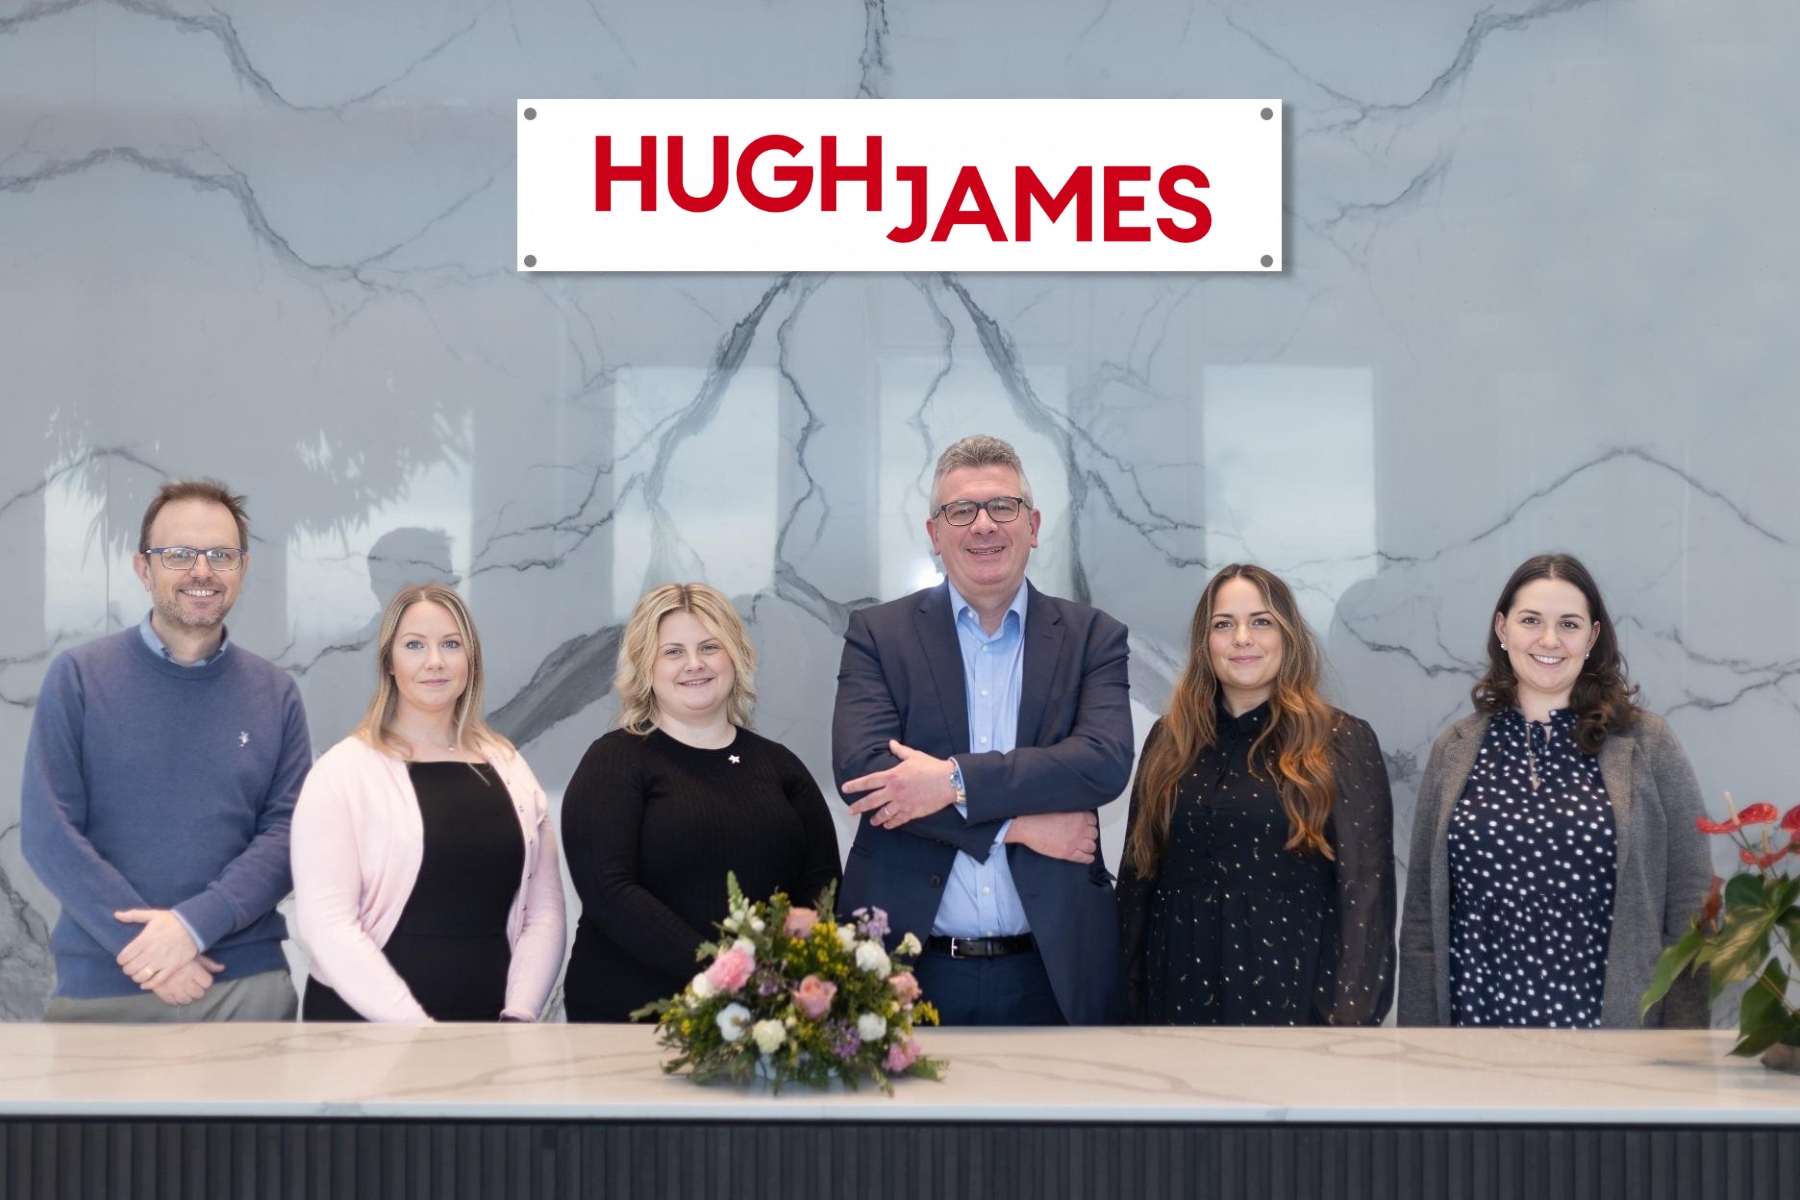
point(936, 627)
point(1044, 632)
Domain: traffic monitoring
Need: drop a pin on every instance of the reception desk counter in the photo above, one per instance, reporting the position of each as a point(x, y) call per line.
point(584, 1110)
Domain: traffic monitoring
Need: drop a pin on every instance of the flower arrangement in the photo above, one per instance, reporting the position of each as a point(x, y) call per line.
point(796, 996)
point(1753, 938)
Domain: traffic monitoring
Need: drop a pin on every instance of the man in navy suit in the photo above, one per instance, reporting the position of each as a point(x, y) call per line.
point(979, 724)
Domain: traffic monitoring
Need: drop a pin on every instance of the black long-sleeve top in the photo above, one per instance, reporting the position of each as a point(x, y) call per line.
point(1237, 930)
point(651, 826)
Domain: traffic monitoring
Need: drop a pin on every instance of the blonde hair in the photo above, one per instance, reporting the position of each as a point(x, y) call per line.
point(472, 729)
point(637, 652)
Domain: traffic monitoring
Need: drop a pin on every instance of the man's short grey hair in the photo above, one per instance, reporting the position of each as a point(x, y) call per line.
point(979, 450)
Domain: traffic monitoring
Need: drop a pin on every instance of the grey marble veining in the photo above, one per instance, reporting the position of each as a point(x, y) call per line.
point(1538, 278)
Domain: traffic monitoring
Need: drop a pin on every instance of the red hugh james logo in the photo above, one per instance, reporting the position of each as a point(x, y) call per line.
point(900, 185)
point(968, 203)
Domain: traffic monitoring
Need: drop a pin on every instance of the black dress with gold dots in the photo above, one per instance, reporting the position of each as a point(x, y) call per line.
point(1237, 930)
point(1531, 879)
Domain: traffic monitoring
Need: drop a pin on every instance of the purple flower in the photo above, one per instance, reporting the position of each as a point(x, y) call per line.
point(873, 920)
point(843, 1039)
point(768, 981)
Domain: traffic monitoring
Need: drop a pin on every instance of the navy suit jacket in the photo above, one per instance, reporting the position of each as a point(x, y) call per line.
point(902, 678)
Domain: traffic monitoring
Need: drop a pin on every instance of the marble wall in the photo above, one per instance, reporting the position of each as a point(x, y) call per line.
point(1536, 269)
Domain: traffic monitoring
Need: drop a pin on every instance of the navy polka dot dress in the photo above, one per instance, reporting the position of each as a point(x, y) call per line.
point(1533, 855)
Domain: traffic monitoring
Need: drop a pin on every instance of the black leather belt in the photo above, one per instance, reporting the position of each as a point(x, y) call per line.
point(988, 947)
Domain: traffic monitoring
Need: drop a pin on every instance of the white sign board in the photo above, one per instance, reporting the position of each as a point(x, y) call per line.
point(900, 185)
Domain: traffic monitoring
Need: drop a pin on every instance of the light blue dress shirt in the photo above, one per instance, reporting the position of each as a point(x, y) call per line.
point(162, 651)
point(979, 898)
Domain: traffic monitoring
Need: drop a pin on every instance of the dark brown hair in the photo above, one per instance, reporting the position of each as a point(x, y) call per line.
point(1602, 699)
point(196, 489)
point(1295, 745)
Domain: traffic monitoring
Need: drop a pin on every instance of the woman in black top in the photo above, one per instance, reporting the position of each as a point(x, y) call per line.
point(426, 884)
point(663, 807)
point(1257, 885)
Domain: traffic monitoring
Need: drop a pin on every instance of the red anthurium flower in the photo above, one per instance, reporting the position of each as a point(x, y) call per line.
point(1765, 860)
point(1706, 825)
point(1760, 813)
point(1790, 820)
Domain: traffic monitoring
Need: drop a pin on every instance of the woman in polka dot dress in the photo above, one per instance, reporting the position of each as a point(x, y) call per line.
point(1258, 881)
point(1554, 852)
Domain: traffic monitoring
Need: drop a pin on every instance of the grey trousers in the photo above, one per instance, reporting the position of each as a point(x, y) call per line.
point(265, 997)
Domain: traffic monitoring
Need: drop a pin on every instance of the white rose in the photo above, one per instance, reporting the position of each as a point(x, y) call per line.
point(746, 945)
point(769, 1035)
point(873, 959)
point(701, 987)
point(733, 1020)
point(847, 936)
point(871, 1027)
point(909, 944)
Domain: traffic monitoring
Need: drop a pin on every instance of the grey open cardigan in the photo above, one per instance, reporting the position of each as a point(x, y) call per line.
point(1663, 874)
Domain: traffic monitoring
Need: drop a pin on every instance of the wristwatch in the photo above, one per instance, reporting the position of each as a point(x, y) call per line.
point(956, 782)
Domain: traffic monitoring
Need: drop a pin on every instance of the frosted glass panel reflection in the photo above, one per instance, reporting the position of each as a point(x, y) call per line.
point(1290, 475)
point(912, 435)
point(80, 573)
point(710, 513)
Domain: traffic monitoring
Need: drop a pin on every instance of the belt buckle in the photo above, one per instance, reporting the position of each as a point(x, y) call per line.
point(956, 942)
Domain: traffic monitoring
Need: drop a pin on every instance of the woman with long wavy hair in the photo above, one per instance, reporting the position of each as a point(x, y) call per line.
point(1258, 878)
point(1554, 851)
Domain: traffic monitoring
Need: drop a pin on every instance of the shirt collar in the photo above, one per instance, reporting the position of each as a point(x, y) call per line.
point(161, 651)
point(960, 606)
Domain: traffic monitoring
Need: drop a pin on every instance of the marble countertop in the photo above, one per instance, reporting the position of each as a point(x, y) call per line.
point(1126, 1075)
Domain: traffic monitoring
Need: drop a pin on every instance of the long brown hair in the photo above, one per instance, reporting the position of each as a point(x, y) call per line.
point(1295, 745)
point(1602, 698)
point(472, 729)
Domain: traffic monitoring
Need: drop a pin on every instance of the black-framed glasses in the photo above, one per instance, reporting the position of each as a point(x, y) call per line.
point(183, 558)
point(1000, 509)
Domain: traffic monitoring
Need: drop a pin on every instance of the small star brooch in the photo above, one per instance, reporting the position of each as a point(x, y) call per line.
point(732, 759)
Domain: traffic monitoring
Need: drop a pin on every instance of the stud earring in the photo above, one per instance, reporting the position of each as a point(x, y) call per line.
point(1503, 645)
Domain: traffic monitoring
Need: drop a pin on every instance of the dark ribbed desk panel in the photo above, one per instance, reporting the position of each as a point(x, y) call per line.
point(351, 1159)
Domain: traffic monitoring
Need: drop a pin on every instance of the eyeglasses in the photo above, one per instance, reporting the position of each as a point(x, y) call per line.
point(183, 558)
point(1000, 509)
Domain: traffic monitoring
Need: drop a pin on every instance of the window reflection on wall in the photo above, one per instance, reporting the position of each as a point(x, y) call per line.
point(709, 511)
point(913, 432)
point(339, 583)
point(1290, 476)
point(84, 581)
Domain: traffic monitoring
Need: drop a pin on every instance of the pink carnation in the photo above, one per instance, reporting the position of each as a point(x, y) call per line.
point(901, 1055)
point(731, 970)
point(905, 985)
point(813, 996)
point(800, 922)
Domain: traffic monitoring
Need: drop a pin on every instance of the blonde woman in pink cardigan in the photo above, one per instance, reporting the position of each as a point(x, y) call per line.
point(425, 872)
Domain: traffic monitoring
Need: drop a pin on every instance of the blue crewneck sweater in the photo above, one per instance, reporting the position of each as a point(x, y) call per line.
point(153, 785)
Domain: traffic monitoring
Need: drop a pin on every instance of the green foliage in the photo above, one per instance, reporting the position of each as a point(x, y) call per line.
point(1752, 938)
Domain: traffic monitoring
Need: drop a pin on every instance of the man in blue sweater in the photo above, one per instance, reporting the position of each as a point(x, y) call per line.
point(159, 782)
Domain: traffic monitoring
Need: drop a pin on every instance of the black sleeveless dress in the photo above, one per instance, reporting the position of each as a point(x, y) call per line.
point(450, 943)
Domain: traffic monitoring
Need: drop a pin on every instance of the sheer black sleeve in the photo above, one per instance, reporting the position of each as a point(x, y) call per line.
point(1134, 894)
point(1362, 838)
